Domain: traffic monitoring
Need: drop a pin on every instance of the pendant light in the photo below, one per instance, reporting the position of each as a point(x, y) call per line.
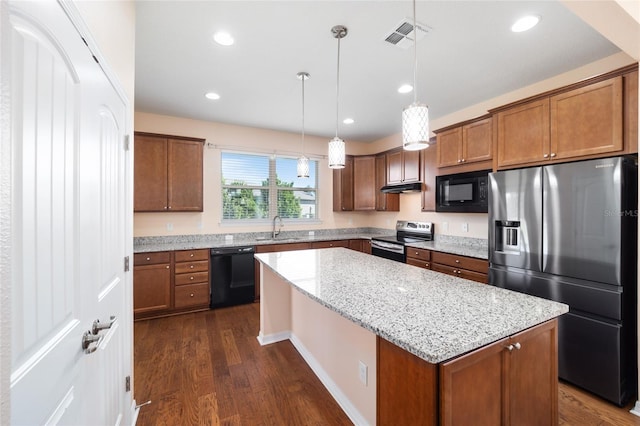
point(303, 161)
point(336, 145)
point(415, 117)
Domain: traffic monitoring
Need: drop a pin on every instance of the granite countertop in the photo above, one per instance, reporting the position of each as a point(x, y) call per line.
point(472, 247)
point(432, 315)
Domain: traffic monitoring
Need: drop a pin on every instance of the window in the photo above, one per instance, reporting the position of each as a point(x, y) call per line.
point(258, 187)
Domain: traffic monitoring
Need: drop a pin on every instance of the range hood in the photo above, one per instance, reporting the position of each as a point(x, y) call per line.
point(404, 187)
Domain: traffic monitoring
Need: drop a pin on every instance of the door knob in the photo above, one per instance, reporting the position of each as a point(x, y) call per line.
point(87, 342)
point(98, 326)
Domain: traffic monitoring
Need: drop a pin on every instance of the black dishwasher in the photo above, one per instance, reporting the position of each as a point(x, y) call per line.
point(232, 276)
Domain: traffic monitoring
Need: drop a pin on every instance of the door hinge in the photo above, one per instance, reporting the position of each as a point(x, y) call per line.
point(126, 263)
point(127, 384)
point(126, 142)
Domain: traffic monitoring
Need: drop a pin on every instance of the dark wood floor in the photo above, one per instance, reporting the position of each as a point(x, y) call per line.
point(208, 368)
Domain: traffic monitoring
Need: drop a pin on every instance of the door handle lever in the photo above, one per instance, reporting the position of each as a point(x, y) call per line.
point(98, 326)
point(87, 340)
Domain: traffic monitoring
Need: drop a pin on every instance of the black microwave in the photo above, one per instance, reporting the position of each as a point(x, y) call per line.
point(463, 192)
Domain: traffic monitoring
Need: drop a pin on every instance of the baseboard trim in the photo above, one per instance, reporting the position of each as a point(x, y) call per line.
point(342, 400)
point(636, 410)
point(273, 338)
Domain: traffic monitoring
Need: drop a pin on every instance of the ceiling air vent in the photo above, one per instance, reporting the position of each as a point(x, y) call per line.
point(402, 35)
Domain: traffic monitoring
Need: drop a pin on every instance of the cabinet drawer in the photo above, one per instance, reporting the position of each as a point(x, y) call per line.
point(418, 262)
point(186, 267)
point(196, 277)
point(191, 295)
point(460, 273)
point(152, 258)
point(329, 244)
point(473, 264)
point(416, 253)
point(190, 255)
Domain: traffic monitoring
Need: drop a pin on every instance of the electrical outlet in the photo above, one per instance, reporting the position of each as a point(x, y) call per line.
point(363, 372)
point(445, 226)
point(169, 226)
point(465, 227)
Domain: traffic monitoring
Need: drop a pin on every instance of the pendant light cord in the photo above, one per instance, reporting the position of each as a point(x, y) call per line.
point(338, 85)
point(415, 56)
point(303, 79)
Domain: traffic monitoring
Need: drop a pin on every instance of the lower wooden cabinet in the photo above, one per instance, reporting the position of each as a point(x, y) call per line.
point(512, 381)
point(151, 283)
point(460, 266)
point(166, 283)
point(419, 257)
point(330, 244)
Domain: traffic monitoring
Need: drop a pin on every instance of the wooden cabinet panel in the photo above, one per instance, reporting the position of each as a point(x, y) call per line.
point(411, 166)
point(269, 248)
point(449, 147)
point(630, 81)
point(394, 167)
point(471, 263)
point(523, 134)
point(329, 244)
point(429, 173)
point(460, 273)
point(343, 187)
point(384, 201)
point(418, 262)
point(188, 267)
point(512, 381)
point(477, 141)
point(587, 120)
point(366, 246)
point(150, 174)
point(151, 258)
point(364, 183)
point(151, 288)
point(192, 295)
point(471, 390)
point(416, 253)
point(407, 390)
point(185, 175)
point(403, 167)
point(167, 173)
point(189, 255)
point(355, 245)
point(194, 278)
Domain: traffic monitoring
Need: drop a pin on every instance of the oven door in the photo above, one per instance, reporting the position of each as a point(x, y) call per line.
point(388, 250)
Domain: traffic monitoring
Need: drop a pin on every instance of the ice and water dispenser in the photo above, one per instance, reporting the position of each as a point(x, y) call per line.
point(507, 235)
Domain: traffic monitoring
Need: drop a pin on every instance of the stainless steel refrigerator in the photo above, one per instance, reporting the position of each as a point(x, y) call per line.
point(568, 232)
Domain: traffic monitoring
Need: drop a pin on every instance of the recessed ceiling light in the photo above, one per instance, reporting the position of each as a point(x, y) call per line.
point(405, 88)
point(525, 23)
point(223, 38)
point(213, 96)
point(348, 121)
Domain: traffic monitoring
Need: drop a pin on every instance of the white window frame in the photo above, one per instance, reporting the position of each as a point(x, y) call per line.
point(273, 192)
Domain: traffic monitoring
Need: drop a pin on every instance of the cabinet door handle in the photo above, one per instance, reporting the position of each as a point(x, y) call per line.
point(462, 161)
point(426, 265)
point(553, 154)
point(167, 266)
point(459, 161)
point(165, 207)
point(546, 155)
point(517, 345)
point(191, 294)
point(509, 348)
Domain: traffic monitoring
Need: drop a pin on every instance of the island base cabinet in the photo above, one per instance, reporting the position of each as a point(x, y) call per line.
point(407, 391)
point(512, 381)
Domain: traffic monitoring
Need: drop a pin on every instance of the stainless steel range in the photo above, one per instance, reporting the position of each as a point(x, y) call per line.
point(394, 246)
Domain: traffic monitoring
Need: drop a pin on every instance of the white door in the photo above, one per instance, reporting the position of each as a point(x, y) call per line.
point(69, 201)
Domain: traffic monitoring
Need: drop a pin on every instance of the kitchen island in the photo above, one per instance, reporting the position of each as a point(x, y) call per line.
point(391, 341)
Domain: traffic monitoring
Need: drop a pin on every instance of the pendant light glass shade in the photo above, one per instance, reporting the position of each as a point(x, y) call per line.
point(303, 167)
point(415, 127)
point(303, 162)
point(336, 153)
point(336, 145)
point(415, 117)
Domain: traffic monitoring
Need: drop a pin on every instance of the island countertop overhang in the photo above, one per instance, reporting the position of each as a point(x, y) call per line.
point(431, 315)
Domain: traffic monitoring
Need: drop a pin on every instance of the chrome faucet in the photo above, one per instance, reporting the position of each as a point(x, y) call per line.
point(273, 231)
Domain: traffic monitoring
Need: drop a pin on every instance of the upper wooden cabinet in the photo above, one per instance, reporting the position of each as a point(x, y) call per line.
point(630, 81)
point(464, 144)
point(583, 122)
point(429, 173)
point(343, 187)
point(384, 201)
point(364, 183)
point(403, 167)
point(167, 173)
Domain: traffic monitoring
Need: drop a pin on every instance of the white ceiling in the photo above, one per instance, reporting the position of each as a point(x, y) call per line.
point(469, 56)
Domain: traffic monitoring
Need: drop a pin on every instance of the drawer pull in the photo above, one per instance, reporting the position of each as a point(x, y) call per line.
point(426, 265)
point(191, 266)
point(148, 258)
point(191, 255)
point(457, 261)
point(191, 278)
point(191, 294)
point(167, 266)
